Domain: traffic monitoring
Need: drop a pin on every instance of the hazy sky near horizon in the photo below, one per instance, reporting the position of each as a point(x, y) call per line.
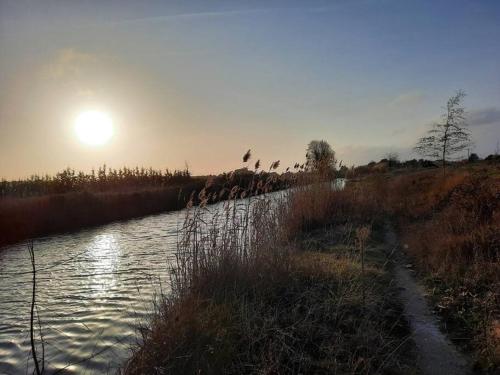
point(203, 81)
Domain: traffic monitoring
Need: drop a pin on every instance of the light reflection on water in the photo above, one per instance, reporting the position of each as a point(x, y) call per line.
point(93, 288)
point(104, 252)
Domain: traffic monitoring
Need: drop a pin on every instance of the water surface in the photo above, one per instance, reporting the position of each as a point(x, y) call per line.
point(94, 287)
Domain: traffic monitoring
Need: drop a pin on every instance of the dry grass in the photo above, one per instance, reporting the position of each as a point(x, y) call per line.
point(315, 204)
point(451, 228)
point(247, 298)
point(309, 319)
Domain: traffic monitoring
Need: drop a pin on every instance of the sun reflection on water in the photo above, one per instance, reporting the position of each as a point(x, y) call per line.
point(104, 261)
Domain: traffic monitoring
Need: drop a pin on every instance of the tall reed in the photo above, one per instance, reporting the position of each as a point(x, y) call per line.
point(245, 299)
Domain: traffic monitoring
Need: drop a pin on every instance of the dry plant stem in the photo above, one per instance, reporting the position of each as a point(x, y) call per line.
point(32, 315)
point(363, 274)
point(362, 235)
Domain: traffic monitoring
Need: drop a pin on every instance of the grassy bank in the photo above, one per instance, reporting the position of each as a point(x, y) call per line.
point(288, 287)
point(450, 226)
point(306, 288)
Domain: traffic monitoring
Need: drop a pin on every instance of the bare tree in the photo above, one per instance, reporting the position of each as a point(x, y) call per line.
point(448, 137)
point(320, 156)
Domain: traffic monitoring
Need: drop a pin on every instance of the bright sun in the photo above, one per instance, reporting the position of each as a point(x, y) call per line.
point(94, 128)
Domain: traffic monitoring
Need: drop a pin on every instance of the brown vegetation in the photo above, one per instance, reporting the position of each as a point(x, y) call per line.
point(253, 291)
point(71, 201)
point(105, 179)
point(451, 228)
point(296, 282)
point(22, 218)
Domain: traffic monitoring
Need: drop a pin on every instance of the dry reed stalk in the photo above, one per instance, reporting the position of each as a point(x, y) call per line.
point(362, 235)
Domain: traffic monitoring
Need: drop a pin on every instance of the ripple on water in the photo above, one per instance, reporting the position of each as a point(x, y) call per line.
point(94, 288)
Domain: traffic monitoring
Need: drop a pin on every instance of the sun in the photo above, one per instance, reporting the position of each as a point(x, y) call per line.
point(94, 128)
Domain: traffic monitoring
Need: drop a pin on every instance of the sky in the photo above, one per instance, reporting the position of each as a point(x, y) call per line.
point(200, 82)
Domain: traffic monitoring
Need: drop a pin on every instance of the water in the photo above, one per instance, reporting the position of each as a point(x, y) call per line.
point(94, 287)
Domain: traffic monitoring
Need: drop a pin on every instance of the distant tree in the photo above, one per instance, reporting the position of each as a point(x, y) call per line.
point(448, 137)
point(320, 156)
point(392, 159)
point(473, 157)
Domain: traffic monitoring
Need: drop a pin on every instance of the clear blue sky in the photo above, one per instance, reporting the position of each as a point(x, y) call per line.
point(202, 81)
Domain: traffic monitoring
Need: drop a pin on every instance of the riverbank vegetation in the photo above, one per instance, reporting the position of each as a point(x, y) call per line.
point(299, 280)
point(450, 226)
point(71, 201)
point(103, 180)
point(295, 283)
point(305, 287)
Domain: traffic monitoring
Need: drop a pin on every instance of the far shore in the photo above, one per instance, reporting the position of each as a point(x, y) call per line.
point(23, 218)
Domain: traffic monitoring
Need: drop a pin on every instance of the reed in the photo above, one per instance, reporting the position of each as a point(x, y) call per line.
point(29, 209)
point(104, 179)
point(247, 298)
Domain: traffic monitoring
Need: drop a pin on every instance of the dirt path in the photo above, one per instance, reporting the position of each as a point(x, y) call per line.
point(436, 355)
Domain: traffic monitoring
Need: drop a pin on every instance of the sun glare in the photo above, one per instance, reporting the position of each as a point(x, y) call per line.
point(94, 128)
